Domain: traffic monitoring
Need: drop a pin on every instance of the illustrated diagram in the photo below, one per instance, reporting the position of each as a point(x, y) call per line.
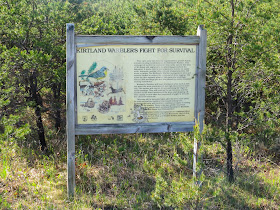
point(139, 114)
point(101, 89)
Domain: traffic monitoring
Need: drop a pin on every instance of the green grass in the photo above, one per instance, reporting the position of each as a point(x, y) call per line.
point(148, 171)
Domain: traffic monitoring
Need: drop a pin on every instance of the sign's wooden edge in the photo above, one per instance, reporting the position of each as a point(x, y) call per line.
point(156, 40)
point(201, 76)
point(134, 128)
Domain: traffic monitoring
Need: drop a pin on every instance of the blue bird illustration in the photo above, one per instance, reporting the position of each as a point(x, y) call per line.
point(100, 74)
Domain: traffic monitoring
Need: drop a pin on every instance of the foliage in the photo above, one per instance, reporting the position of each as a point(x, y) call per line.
point(108, 18)
point(252, 59)
point(151, 170)
point(33, 57)
point(243, 65)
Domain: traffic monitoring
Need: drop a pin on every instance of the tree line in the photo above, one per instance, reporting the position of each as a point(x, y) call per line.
point(242, 90)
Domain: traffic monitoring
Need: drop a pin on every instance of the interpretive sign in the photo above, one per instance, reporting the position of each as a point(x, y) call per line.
point(135, 84)
point(132, 84)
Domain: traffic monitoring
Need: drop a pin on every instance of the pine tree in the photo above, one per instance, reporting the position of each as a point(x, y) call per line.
point(120, 101)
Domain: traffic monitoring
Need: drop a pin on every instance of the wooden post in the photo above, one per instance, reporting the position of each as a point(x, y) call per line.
point(201, 65)
point(70, 114)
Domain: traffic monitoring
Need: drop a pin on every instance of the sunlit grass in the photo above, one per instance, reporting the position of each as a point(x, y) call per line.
point(145, 171)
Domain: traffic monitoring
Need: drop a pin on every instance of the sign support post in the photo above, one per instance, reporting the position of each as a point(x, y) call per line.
point(201, 74)
point(70, 112)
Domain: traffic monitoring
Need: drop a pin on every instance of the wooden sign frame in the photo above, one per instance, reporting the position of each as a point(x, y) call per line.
point(73, 41)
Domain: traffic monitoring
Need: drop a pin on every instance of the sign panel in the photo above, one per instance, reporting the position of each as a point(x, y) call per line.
point(118, 84)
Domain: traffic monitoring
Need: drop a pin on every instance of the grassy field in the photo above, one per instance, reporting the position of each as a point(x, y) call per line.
point(148, 171)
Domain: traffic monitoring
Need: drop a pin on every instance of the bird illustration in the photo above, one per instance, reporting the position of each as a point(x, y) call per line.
point(100, 74)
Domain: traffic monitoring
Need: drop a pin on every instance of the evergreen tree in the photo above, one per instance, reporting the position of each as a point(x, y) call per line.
point(242, 67)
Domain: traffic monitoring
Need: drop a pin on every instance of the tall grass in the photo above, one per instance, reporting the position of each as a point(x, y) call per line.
point(135, 171)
